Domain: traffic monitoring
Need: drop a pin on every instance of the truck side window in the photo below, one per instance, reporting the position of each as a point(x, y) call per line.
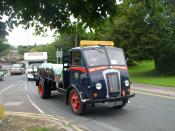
point(77, 59)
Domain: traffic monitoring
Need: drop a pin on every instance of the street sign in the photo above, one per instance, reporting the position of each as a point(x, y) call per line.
point(59, 54)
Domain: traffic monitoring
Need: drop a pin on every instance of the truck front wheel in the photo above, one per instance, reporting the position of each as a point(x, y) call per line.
point(44, 90)
point(75, 102)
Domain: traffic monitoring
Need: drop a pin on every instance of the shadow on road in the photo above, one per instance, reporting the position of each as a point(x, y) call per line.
point(100, 110)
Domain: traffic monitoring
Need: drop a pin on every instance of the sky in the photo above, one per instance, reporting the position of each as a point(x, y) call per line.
point(20, 36)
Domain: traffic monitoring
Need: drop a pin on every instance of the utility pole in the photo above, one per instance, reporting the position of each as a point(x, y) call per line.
point(57, 56)
point(76, 34)
point(61, 56)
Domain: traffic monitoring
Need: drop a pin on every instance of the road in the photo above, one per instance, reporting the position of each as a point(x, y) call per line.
point(145, 112)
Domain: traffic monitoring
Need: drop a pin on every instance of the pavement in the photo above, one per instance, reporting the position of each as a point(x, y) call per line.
point(160, 90)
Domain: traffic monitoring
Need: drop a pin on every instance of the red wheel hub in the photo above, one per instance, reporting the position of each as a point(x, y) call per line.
point(74, 101)
point(40, 89)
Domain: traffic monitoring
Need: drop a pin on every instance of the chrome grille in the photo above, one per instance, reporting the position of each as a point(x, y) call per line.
point(113, 82)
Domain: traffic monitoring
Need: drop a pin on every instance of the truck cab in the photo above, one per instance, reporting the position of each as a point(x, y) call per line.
point(96, 72)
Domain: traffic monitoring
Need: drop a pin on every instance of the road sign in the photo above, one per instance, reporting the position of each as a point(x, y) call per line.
point(59, 54)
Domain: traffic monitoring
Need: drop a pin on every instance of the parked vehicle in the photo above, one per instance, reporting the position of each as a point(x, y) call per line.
point(16, 69)
point(96, 72)
point(1, 75)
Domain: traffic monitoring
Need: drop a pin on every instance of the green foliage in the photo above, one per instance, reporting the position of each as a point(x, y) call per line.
point(38, 129)
point(3, 31)
point(144, 73)
point(165, 61)
point(49, 48)
point(145, 30)
point(68, 40)
point(4, 47)
point(56, 14)
point(22, 50)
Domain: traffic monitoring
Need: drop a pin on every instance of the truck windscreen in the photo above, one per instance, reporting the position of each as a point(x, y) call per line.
point(98, 57)
point(116, 56)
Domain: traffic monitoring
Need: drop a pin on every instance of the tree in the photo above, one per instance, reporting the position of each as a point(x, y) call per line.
point(4, 47)
point(145, 30)
point(55, 14)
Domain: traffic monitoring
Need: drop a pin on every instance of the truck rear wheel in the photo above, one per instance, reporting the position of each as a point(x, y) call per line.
point(44, 90)
point(75, 102)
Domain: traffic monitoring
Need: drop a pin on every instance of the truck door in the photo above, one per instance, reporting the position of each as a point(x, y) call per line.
point(66, 72)
point(78, 71)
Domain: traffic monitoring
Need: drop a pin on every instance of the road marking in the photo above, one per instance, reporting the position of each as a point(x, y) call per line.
point(136, 105)
point(15, 103)
point(40, 110)
point(6, 88)
point(25, 86)
point(153, 94)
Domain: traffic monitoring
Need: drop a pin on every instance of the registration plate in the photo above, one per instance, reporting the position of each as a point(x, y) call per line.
point(116, 103)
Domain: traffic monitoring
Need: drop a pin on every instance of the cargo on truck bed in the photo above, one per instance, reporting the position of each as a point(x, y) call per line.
point(50, 71)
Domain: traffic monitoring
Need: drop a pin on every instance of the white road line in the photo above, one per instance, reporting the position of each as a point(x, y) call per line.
point(6, 88)
point(154, 94)
point(40, 110)
point(25, 86)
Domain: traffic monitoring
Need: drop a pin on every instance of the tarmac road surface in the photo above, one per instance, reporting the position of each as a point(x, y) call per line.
point(144, 112)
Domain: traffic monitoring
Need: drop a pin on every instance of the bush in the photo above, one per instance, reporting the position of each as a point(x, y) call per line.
point(165, 63)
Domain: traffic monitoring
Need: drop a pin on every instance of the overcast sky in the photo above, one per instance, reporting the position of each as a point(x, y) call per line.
point(20, 36)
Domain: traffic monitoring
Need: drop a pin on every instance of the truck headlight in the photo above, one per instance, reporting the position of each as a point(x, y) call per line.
point(98, 86)
point(127, 83)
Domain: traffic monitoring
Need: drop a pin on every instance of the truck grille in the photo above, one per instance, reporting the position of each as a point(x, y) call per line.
point(113, 82)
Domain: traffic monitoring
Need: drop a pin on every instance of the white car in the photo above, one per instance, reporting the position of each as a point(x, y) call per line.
point(31, 71)
point(16, 69)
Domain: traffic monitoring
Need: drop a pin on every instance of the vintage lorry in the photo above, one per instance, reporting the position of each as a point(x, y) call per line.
point(95, 72)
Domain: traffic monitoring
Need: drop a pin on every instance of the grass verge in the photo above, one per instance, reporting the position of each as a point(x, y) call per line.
point(144, 73)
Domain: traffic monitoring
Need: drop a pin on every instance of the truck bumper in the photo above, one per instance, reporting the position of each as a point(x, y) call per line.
point(111, 99)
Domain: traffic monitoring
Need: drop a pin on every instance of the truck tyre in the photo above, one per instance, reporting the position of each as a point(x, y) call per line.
point(121, 106)
point(44, 90)
point(77, 106)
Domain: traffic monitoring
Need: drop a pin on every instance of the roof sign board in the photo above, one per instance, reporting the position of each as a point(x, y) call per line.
point(96, 43)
